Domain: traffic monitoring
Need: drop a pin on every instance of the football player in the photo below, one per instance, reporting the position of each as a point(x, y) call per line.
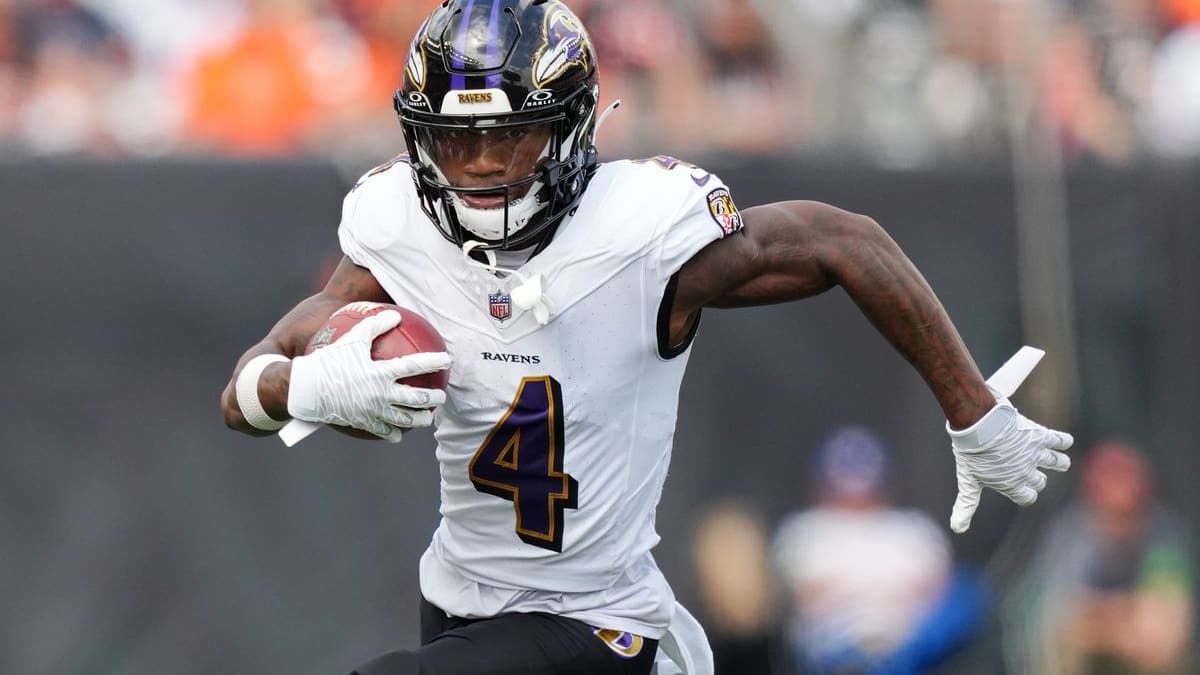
point(568, 292)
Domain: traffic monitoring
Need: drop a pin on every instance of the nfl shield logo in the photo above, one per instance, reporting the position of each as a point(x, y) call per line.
point(500, 306)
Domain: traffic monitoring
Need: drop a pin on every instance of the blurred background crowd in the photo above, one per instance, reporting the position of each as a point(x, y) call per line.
point(896, 82)
point(854, 583)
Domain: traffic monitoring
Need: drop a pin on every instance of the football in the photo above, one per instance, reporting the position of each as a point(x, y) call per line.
point(413, 335)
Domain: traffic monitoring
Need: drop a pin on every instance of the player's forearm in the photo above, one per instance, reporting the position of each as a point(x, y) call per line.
point(272, 390)
point(862, 258)
point(289, 337)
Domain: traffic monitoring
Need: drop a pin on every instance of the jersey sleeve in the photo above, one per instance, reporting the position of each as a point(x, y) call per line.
point(348, 234)
point(693, 209)
point(707, 214)
point(370, 221)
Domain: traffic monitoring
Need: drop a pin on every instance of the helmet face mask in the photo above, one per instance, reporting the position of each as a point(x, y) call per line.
point(498, 110)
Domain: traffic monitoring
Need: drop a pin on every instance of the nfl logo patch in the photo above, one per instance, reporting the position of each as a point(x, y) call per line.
point(500, 306)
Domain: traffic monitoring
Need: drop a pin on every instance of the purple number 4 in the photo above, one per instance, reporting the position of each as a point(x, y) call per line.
point(522, 461)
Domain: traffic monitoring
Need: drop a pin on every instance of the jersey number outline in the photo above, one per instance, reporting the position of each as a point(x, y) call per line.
point(521, 461)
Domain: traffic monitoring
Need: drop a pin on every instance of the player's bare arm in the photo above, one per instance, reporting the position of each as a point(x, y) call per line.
point(349, 283)
point(793, 250)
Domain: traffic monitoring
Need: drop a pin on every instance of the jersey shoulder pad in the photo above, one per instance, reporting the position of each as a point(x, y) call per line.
point(375, 210)
point(680, 192)
point(666, 178)
point(655, 188)
point(396, 168)
point(674, 209)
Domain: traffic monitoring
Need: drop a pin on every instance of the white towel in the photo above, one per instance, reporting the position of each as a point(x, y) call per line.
point(684, 649)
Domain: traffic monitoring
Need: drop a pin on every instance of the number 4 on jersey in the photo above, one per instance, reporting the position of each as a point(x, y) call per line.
point(522, 461)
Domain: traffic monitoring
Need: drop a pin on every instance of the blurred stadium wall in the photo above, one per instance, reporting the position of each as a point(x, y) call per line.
point(138, 535)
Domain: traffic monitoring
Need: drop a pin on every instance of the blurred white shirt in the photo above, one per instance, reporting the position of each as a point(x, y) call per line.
point(861, 578)
point(1172, 118)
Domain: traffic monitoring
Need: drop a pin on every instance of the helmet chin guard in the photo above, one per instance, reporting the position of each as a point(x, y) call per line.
point(491, 225)
point(494, 68)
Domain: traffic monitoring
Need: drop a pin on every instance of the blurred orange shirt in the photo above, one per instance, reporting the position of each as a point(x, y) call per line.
point(254, 96)
point(1183, 11)
point(389, 31)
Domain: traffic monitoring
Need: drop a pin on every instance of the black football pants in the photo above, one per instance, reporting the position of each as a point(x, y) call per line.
point(512, 644)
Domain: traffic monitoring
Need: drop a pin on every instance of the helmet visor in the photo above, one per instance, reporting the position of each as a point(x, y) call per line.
point(475, 160)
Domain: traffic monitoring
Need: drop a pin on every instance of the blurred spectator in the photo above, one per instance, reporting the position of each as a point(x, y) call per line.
point(648, 63)
point(1079, 105)
point(1182, 11)
point(1172, 115)
point(70, 59)
point(743, 104)
point(145, 108)
point(1111, 591)
point(873, 587)
point(358, 121)
point(257, 95)
point(304, 76)
point(737, 590)
point(11, 75)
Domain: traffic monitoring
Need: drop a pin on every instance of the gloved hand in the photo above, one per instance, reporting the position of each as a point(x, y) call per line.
point(342, 384)
point(1005, 451)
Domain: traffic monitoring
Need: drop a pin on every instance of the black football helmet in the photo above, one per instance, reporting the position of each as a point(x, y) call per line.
point(491, 71)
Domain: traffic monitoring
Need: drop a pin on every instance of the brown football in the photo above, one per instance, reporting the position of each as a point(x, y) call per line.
point(413, 335)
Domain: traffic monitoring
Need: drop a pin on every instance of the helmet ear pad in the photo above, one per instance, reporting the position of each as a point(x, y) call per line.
point(545, 74)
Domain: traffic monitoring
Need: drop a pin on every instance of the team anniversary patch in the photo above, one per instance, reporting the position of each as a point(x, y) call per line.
point(724, 212)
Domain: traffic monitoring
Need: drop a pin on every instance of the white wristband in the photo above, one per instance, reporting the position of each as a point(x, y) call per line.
point(247, 392)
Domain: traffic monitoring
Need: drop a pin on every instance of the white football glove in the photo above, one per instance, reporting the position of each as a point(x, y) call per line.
point(1005, 450)
point(342, 384)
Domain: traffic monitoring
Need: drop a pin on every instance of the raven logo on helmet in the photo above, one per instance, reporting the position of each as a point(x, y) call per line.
point(566, 47)
point(415, 69)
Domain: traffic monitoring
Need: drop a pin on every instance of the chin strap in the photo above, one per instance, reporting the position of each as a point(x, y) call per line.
point(527, 295)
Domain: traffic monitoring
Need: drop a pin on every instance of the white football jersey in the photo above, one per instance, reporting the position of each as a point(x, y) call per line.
point(554, 441)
